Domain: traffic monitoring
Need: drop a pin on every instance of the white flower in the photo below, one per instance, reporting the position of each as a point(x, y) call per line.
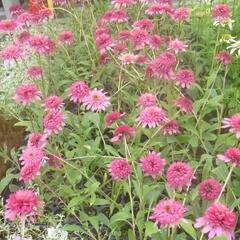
point(235, 47)
point(229, 22)
point(57, 233)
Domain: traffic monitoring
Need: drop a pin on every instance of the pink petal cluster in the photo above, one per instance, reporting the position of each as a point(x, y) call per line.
point(127, 58)
point(177, 46)
point(36, 140)
point(233, 123)
point(66, 37)
point(77, 91)
point(23, 37)
point(147, 100)
point(231, 155)
point(209, 189)
point(139, 37)
point(121, 132)
point(15, 9)
point(180, 14)
point(220, 12)
point(122, 3)
point(224, 57)
point(12, 53)
point(118, 15)
point(170, 128)
point(34, 72)
point(8, 26)
point(184, 78)
point(111, 117)
point(53, 103)
point(119, 169)
point(184, 104)
point(145, 24)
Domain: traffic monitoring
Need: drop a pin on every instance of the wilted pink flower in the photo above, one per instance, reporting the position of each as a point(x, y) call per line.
point(36, 140)
point(122, 3)
point(55, 160)
point(163, 66)
point(147, 100)
point(77, 91)
point(151, 117)
point(22, 203)
point(118, 15)
point(53, 122)
point(66, 37)
point(32, 155)
point(209, 189)
point(15, 9)
point(8, 26)
point(220, 12)
point(145, 24)
point(232, 155)
point(119, 169)
point(224, 57)
point(180, 14)
point(96, 100)
point(23, 37)
point(139, 38)
point(35, 72)
point(27, 93)
point(127, 58)
point(179, 175)
point(170, 128)
point(184, 78)
point(184, 104)
point(155, 41)
point(113, 116)
point(152, 164)
point(12, 53)
point(177, 46)
point(168, 213)
point(218, 220)
point(121, 132)
point(53, 102)
point(104, 42)
point(233, 123)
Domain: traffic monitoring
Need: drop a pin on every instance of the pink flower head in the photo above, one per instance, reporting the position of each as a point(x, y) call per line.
point(145, 24)
point(232, 155)
point(103, 58)
point(118, 48)
point(12, 53)
point(127, 58)
point(233, 123)
point(184, 104)
point(139, 38)
point(147, 100)
point(165, 2)
point(184, 78)
point(152, 164)
point(100, 30)
point(155, 41)
point(118, 15)
point(32, 155)
point(15, 9)
point(34, 72)
point(224, 57)
point(43, 15)
point(53, 102)
point(218, 220)
point(124, 35)
point(36, 140)
point(168, 213)
point(149, 71)
point(113, 116)
point(141, 59)
point(119, 169)
point(170, 128)
point(180, 14)
point(66, 37)
point(29, 172)
point(53, 122)
point(209, 189)
point(8, 26)
point(163, 66)
point(122, 3)
point(27, 93)
point(77, 91)
point(220, 12)
point(179, 175)
point(121, 132)
point(177, 46)
point(96, 100)
point(23, 37)
point(25, 18)
point(22, 203)
point(151, 117)
point(20, 238)
point(159, 9)
point(41, 44)
point(104, 42)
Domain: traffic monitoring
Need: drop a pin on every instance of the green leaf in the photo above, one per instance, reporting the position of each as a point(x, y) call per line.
point(188, 228)
point(72, 228)
point(5, 181)
point(150, 228)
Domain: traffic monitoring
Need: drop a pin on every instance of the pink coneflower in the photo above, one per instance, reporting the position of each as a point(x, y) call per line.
point(155, 41)
point(55, 160)
point(43, 15)
point(149, 71)
point(177, 46)
point(224, 57)
point(23, 37)
point(139, 38)
point(119, 169)
point(118, 15)
point(184, 104)
point(8, 26)
point(209, 189)
point(122, 3)
point(32, 155)
point(145, 24)
point(151, 117)
point(12, 53)
point(53, 122)
point(96, 100)
point(184, 78)
point(141, 60)
point(118, 48)
point(159, 9)
point(25, 18)
point(34, 72)
point(179, 175)
point(104, 42)
point(220, 12)
point(66, 37)
point(127, 58)
point(29, 172)
point(41, 44)
point(147, 100)
point(168, 213)
point(233, 123)
point(232, 155)
point(36, 140)
point(15, 9)
point(111, 117)
point(22, 203)
point(52, 102)
point(27, 93)
point(152, 164)
point(218, 220)
point(170, 128)
point(77, 91)
point(163, 66)
point(101, 30)
point(124, 35)
point(180, 14)
point(103, 58)
point(121, 132)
